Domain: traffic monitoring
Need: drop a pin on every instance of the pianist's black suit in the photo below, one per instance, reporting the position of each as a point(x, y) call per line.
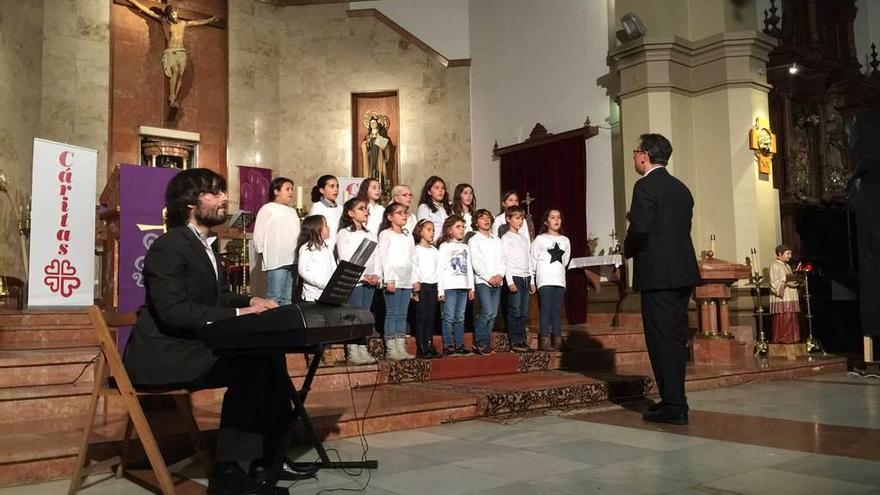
point(184, 293)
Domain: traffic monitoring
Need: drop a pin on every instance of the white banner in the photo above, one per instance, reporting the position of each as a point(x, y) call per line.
point(62, 260)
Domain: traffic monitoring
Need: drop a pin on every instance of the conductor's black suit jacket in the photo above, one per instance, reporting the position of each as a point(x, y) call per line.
point(183, 293)
point(659, 234)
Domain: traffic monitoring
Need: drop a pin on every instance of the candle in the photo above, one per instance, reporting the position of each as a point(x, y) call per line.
point(712, 243)
point(757, 262)
point(345, 195)
point(299, 196)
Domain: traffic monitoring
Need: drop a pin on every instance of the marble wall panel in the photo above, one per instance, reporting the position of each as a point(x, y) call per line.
point(321, 57)
point(21, 28)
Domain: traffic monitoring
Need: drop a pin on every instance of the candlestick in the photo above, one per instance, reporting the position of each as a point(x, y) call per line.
point(299, 197)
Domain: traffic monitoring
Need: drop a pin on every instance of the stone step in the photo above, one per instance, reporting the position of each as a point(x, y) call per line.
point(46, 366)
point(48, 449)
point(44, 318)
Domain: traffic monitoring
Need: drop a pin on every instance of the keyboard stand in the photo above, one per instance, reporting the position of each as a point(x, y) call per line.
point(298, 397)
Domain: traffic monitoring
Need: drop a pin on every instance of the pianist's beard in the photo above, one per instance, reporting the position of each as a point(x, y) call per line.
point(210, 215)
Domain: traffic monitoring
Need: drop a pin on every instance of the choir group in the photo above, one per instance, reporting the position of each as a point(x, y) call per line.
point(446, 254)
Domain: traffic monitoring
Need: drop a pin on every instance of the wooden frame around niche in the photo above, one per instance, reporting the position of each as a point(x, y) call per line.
point(358, 131)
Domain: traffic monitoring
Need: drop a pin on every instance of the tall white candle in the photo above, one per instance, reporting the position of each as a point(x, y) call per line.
point(299, 196)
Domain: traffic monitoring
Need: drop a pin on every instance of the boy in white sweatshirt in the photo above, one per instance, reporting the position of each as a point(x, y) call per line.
point(518, 278)
point(489, 270)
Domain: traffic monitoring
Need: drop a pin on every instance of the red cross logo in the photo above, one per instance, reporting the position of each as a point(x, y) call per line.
point(60, 277)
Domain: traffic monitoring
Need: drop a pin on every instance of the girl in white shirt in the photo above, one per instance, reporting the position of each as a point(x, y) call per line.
point(489, 270)
point(324, 194)
point(370, 192)
point(551, 252)
point(316, 263)
point(434, 204)
point(455, 284)
point(275, 233)
point(425, 277)
point(352, 231)
point(394, 258)
point(464, 204)
point(508, 199)
point(403, 195)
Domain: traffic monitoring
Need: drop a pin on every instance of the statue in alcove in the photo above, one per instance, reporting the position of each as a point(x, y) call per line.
point(377, 149)
point(174, 56)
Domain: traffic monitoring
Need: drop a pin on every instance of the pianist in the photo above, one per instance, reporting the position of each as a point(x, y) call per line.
point(185, 289)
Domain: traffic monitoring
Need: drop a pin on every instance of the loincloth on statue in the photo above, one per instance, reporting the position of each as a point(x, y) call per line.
point(174, 61)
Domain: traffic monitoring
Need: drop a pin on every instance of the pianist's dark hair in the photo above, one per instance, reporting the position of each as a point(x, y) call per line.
point(310, 233)
point(183, 191)
point(345, 222)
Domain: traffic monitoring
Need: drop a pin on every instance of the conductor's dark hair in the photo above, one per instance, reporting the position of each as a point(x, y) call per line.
point(275, 186)
point(184, 189)
point(658, 148)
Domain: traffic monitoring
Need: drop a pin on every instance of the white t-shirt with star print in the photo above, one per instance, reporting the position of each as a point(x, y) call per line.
point(549, 260)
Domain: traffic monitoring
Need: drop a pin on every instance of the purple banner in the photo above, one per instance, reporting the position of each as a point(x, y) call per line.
point(253, 188)
point(141, 204)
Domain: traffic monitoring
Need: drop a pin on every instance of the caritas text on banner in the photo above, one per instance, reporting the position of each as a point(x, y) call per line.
point(62, 260)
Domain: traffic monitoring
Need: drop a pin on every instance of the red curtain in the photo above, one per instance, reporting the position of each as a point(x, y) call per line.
point(555, 174)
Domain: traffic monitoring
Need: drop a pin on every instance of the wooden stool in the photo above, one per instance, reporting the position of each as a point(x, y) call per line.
point(111, 380)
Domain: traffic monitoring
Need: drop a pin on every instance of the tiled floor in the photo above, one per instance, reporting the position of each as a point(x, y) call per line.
point(748, 451)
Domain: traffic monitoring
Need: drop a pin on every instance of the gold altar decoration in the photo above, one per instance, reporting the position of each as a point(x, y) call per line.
point(763, 142)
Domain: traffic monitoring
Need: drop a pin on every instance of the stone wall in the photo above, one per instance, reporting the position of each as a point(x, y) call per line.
point(21, 28)
point(54, 84)
point(292, 73)
point(75, 91)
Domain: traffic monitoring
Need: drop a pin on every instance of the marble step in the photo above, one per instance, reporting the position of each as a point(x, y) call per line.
point(48, 449)
point(46, 365)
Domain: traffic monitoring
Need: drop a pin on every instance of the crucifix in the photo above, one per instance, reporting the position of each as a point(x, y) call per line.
point(175, 54)
point(528, 201)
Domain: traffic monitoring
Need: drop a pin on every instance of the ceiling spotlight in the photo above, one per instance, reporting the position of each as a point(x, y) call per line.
point(632, 28)
point(793, 69)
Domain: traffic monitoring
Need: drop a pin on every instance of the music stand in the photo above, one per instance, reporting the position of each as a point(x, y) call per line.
point(347, 275)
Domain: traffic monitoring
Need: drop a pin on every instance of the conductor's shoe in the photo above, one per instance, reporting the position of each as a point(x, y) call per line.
point(227, 478)
point(259, 470)
point(666, 415)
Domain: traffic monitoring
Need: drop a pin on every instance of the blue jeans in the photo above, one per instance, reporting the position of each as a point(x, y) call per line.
point(489, 298)
point(396, 304)
point(518, 310)
point(550, 297)
point(361, 296)
point(279, 285)
point(455, 300)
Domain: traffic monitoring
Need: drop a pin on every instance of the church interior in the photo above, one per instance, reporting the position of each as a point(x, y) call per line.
point(772, 108)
